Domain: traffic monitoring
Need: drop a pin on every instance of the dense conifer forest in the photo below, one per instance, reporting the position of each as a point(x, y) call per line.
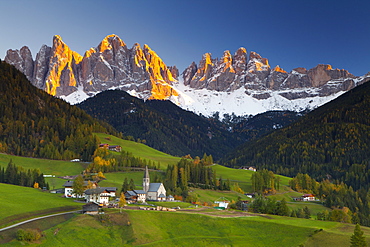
point(330, 142)
point(168, 128)
point(34, 123)
point(161, 124)
point(329, 145)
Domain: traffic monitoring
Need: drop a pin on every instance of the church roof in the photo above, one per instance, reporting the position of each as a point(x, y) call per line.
point(154, 187)
point(162, 196)
point(139, 192)
point(131, 193)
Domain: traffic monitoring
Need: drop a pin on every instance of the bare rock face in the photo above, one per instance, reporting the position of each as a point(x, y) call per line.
point(174, 71)
point(254, 73)
point(60, 71)
point(22, 60)
point(41, 67)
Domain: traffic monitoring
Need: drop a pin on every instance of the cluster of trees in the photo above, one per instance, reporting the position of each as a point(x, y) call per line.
point(265, 182)
point(127, 185)
point(337, 195)
point(304, 183)
point(343, 215)
point(193, 173)
point(17, 175)
point(267, 205)
point(105, 161)
point(34, 123)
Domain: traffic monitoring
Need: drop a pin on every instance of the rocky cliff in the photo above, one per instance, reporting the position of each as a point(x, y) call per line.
point(62, 72)
point(241, 83)
point(253, 73)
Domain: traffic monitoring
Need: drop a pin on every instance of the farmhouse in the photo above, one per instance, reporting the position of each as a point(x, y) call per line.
point(308, 198)
point(100, 195)
point(115, 148)
point(150, 192)
point(90, 208)
point(68, 190)
point(222, 202)
point(250, 168)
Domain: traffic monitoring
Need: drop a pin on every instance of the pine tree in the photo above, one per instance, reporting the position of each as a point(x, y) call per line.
point(125, 186)
point(358, 239)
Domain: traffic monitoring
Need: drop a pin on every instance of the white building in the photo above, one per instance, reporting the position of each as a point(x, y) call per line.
point(100, 195)
point(150, 192)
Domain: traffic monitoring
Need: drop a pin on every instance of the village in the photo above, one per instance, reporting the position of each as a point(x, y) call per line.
point(97, 197)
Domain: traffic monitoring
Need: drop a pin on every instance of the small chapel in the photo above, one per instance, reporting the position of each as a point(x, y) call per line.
point(150, 191)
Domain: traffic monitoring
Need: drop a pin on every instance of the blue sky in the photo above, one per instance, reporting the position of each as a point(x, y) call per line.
point(289, 33)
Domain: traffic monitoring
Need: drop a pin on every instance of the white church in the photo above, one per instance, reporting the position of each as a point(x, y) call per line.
point(150, 191)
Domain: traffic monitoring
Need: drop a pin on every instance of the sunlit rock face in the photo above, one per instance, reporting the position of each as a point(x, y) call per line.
point(60, 71)
point(253, 72)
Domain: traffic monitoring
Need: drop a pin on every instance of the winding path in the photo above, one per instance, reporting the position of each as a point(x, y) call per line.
point(38, 218)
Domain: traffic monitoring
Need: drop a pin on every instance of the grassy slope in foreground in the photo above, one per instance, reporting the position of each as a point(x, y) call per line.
point(140, 150)
point(151, 228)
point(20, 203)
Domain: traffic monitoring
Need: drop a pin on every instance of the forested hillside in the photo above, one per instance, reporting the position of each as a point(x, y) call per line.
point(33, 123)
point(330, 142)
point(168, 128)
point(161, 124)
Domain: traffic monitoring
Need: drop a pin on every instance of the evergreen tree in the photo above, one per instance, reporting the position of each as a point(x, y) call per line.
point(131, 184)
point(125, 186)
point(358, 239)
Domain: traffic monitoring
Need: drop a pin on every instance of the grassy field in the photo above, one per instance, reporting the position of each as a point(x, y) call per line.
point(151, 228)
point(50, 167)
point(19, 202)
point(116, 179)
point(140, 150)
point(243, 177)
point(210, 196)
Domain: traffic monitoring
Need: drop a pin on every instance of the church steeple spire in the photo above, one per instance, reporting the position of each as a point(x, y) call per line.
point(146, 180)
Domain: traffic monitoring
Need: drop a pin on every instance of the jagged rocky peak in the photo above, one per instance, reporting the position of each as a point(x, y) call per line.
point(22, 60)
point(257, 63)
point(240, 60)
point(61, 71)
point(62, 75)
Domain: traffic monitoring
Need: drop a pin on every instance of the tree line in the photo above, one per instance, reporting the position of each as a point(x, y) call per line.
point(17, 175)
point(352, 206)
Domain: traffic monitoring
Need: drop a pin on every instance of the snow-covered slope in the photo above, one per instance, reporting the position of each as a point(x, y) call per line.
point(243, 83)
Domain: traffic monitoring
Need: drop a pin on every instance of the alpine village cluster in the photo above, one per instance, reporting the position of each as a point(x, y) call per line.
point(312, 164)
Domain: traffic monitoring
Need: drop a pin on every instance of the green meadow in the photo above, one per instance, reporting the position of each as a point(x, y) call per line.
point(153, 228)
point(139, 150)
point(20, 203)
point(49, 167)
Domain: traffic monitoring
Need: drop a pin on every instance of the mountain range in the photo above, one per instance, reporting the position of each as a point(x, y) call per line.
point(243, 83)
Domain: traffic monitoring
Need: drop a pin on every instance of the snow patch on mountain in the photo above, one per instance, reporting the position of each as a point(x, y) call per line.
point(208, 102)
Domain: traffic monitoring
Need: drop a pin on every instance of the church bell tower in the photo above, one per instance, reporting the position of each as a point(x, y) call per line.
point(146, 180)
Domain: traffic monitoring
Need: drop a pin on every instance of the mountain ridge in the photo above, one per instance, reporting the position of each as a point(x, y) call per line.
point(245, 79)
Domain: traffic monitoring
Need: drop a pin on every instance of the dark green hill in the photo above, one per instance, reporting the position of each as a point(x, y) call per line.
point(163, 125)
point(34, 123)
point(330, 142)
